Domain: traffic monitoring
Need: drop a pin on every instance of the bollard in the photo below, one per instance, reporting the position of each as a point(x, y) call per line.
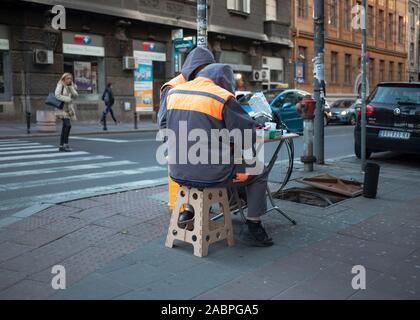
point(135, 120)
point(104, 122)
point(370, 186)
point(28, 122)
point(307, 108)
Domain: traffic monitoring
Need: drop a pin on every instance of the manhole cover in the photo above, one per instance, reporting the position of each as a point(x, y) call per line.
point(310, 196)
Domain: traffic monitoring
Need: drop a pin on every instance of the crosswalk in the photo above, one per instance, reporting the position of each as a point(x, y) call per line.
point(33, 173)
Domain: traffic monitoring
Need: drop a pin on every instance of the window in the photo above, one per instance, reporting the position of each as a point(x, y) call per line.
point(271, 10)
point(391, 71)
point(370, 21)
point(302, 8)
point(371, 73)
point(400, 71)
point(333, 13)
point(85, 71)
point(346, 15)
point(381, 24)
point(347, 69)
point(390, 27)
point(413, 18)
point(400, 30)
point(412, 58)
point(381, 71)
point(2, 73)
point(334, 57)
point(242, 6)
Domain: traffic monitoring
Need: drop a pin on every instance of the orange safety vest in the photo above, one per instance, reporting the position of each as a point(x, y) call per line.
point(174, 82)
point(200, 95)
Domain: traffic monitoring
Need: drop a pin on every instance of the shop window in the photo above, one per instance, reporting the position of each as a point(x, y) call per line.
point(5, 74)
point(87, 73)
point(2, 77)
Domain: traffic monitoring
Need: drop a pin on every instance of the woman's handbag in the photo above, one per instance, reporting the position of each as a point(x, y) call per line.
point(53, 101)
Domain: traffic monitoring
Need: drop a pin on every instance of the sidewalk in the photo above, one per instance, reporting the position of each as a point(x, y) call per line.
point(9, 130)
point(112, 247)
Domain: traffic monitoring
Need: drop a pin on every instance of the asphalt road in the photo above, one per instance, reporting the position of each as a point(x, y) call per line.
point(33, 172)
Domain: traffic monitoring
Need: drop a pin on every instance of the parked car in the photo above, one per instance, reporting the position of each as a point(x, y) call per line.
point(343, 111)
point(392, 119)
point(284, 107)
point(272, 93)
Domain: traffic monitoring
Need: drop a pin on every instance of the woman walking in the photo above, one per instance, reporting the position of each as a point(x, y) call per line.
point(66, 92)
point(108, 98)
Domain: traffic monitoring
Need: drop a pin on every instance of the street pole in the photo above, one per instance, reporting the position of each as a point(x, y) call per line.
point(363, 70)
point(202, 23)
point(319, 83)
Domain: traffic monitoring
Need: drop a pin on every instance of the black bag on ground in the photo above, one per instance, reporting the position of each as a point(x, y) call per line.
point(53, 101)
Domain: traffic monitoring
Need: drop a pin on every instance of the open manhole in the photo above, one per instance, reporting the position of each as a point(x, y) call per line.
point(310, 196)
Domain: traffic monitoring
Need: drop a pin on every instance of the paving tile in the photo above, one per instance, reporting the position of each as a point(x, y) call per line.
point(371, 254)
point(37, 237)
point(94, 287)
point(80, 265)
point(27, 290)
point(30, 223)
point(10, 234)
point(185, 285)
point(334, 282)
point(146, 231)
point(122, 243)
point(117, 222)
point(66, 225)
point(91, 234)
point(9, 278)
point(83, 203)
point(57, 212)
point(44, 257)
point(9, 250)
point(401, 286)
point(93, 214)
point(137, 275)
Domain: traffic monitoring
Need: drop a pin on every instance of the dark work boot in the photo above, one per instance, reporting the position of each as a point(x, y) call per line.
point(186, 219)
point(256, 235)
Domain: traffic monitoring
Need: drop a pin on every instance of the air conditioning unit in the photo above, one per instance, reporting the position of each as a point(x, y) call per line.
point(129, 63)
point(42, 56)
point(265, 75)
point(257, 75)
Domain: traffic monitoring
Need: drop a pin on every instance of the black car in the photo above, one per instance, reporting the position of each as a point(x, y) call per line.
point(392, 119)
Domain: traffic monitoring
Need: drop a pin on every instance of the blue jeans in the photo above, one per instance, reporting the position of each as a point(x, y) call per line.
point(108, 110)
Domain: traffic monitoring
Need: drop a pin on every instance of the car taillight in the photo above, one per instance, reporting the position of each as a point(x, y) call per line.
point(370, 111)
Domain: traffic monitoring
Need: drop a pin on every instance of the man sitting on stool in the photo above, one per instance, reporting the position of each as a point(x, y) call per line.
point(208, 103)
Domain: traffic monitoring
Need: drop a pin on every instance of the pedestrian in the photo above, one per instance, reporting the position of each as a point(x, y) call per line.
point(208, 103)
point(108, 98)
point(66, 91)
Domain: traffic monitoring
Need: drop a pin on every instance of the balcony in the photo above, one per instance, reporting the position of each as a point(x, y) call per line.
point(278, 32)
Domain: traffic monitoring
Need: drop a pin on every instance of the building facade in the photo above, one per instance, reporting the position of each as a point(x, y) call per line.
point(135, 44)
point(386, 45)
point(413, 64)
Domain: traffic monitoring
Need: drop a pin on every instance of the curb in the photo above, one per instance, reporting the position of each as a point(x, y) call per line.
point(27, 212)
point(40, 135)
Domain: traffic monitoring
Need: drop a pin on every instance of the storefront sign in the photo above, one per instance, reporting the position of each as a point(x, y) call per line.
point(183, 44)
point(148, 55)
point(143, 85)
point(83, 44)
point(148, 50)
point(4, 44)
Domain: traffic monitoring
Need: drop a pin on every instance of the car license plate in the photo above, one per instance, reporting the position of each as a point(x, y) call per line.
point(394, 134)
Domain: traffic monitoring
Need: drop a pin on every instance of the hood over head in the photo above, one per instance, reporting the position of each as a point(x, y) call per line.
point(196, 58)
point(220, 74)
